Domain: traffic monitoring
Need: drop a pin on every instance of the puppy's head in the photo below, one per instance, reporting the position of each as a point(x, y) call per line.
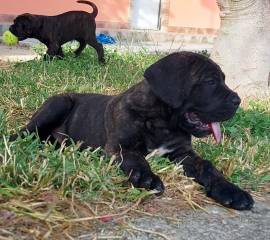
point(25, 26)
point(194, 87)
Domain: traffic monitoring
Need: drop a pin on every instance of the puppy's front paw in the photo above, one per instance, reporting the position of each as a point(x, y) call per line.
point(230, 195)
point(147, 180)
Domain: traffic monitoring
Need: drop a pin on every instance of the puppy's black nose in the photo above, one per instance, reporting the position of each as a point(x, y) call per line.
point(236, 100)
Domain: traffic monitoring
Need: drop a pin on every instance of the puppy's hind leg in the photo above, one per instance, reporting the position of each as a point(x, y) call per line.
point(54, 50)
point(80, 48)
point(60, 53)
point(99, 48)
point(49, 116)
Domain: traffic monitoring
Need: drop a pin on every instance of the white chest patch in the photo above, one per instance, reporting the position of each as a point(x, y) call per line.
point(158, 152)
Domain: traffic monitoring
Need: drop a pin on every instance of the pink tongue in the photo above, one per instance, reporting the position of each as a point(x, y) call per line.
point(215, 127)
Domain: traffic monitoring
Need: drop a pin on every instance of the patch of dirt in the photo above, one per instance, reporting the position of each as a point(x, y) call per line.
point(47, 215)
point(5, 65)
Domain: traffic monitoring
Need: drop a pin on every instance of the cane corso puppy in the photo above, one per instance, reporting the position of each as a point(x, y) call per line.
point(54, 31)
point(182, 95)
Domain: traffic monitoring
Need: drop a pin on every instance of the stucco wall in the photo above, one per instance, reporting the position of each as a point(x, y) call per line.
point(175, 14)
point(110, 10)
point(194, 14)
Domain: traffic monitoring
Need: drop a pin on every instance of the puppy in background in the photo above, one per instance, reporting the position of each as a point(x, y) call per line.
point(54, 31)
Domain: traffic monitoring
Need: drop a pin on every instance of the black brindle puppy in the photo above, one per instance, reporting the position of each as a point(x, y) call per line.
point(54, 31)
point(183, 94)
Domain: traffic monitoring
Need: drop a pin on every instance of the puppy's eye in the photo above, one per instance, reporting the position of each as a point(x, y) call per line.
point(210, 82)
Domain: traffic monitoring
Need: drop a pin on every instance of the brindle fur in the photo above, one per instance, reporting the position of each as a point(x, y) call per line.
point(147, 116)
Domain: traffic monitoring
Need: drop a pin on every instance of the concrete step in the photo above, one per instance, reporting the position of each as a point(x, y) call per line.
point(124, 35)
point(137, 36)
point(3, 28)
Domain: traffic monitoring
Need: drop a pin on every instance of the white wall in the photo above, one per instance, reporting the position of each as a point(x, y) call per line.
point(145, 14)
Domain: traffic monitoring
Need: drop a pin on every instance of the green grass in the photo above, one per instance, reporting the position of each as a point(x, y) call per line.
point(25, 86)
point(29, 167)
point(244, 154)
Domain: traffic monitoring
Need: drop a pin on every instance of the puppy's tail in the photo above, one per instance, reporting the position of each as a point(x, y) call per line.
point(95, 9)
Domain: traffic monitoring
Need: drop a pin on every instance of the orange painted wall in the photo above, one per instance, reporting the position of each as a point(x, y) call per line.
point(110, 10)
point(194, 13)
point(182, 13)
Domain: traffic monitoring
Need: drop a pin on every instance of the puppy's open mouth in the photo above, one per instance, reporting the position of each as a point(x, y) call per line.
point(213, 127)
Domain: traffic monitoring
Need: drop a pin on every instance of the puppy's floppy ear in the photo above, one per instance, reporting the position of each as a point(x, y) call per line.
point(169, 78)
point(29, 22)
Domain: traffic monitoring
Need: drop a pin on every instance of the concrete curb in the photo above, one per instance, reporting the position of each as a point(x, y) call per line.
point(127, 35)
